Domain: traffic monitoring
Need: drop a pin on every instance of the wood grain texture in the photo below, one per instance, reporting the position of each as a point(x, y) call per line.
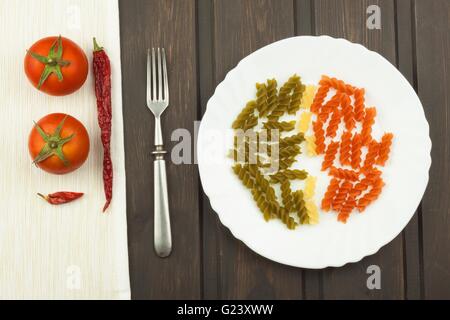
point(241, 27)
point(405, 42)
point(169, 24)
point(205, 40)
point(433, 64)
point(347, 19)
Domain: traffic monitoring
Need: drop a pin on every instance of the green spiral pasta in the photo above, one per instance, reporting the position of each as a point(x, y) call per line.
point(290, 151)
point(287, 174)
point(242, 118)
point(300, 207)
point(261, 98)
point(296, 98)
point(284, 98)
point(286, 196)
point(272, 97)
point(262, 166)
point(282, 126)
point(292, 140)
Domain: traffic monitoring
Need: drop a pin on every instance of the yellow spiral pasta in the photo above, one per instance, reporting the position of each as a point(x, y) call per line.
point(313, 212)
point(308, 96)
point(310, 187)
point(311, 146)
point(304, 121)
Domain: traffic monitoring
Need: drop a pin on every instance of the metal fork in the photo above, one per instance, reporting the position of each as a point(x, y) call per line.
point(157, 102)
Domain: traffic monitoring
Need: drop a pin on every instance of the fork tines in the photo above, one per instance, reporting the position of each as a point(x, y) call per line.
point(157, 84)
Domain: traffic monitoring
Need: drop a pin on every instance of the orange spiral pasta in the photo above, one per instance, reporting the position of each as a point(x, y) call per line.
point(372, 195)
point(346, 209)
point(330, 155)
point(370, 177)
point(347, 113)
point(341, 195)
point(385, 148)
point(329, 107)
point(319, 134)
point(320, 97)
point(372, 154)
point(344, 174)
point(346, 147)
point(339, 85)
point(333, 125)
point(330, 194)
point(359, 104)
point(356, 151)
point(359, 188)
point(366, 131)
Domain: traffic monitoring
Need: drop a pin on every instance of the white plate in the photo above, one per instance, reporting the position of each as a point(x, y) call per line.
point(330, 243)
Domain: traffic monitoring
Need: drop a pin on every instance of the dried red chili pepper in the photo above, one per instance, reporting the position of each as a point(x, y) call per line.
point(61, 197)
point(102, 74)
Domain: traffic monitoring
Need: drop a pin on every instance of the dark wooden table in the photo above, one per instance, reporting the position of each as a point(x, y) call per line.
point(204, 40)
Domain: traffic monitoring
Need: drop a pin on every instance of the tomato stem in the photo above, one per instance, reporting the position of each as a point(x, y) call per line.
point(53, 62)
point(53, 144)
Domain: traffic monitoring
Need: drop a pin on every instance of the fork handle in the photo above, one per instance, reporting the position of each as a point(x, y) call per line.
point(163, 236)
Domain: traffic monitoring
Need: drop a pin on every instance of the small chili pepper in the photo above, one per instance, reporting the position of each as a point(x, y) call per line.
point(102, 75)
point(61, 197)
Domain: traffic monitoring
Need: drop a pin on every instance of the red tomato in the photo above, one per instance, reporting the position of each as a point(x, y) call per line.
point(72, 63)
point(63, 152)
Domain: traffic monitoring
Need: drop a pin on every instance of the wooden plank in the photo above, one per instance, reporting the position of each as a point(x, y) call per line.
point(433, 77)
point(210, 261)
point(169, 24)
point(347, 19)
point(304, 25)
point(241, 27)
point(405, 63)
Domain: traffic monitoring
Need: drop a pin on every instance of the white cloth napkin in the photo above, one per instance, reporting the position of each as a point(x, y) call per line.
point(72, 251)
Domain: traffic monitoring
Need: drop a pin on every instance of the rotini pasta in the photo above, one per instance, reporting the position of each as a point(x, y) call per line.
point(289, 151)
point(319, 135)
point(304, 121)
point(296, 98)
point(241, 119)
point(330, 194)
point(311, 146)
point(346, 208)
point(312, 212)
point(284, 175)
point(341, 195)
point(261, 98)
point(330, 155)
point(385, 148)
point(292, 140)
point(347, 112)
point(333, 125)
point(359, 104)
point(356, 151)
point(339, 85)
point(282, 126)
point(366, 131)
point(371, 156)
point(308, 97)
point(329, 107)
point(372, 195)
point(320, 97)
point(300, 205)
point(284, 98)
point(310, 187)
point(286, 196)
point(345, 149)
point(271, 96)
point(267, 160)
point(344, 174)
